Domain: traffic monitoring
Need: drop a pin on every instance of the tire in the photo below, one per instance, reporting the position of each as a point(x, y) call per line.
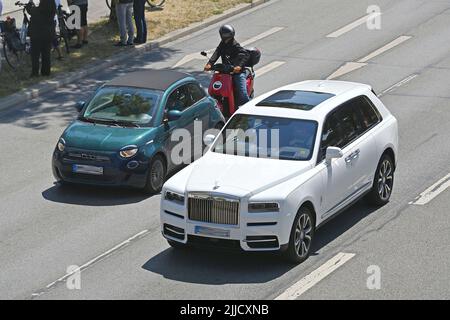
point(156, 175)
point(108, 4)
point(12, 57)
point(383, 182)
point(176, 245)
point(300, 242)
point(155, 3)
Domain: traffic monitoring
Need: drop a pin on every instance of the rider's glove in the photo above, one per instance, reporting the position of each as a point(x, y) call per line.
point(207, 67)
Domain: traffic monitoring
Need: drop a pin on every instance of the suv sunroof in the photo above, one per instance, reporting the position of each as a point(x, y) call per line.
point(295, 99)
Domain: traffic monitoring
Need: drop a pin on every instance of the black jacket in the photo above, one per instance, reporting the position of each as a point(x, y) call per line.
point(42, 24)
point(231, 53)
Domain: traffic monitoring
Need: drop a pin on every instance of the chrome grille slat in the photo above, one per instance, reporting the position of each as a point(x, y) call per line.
point(213, 209)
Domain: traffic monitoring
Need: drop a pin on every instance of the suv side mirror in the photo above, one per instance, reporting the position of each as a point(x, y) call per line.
point(80, 105)
point(332, 153)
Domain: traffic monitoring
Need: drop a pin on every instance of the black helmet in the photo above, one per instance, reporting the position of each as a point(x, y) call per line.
point(226, 32)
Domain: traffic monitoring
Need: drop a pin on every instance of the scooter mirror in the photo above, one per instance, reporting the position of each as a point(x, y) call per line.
point(203, 53)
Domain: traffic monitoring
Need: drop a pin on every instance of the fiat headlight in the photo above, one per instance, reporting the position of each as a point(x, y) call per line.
point(61, 145)
point(128, 151)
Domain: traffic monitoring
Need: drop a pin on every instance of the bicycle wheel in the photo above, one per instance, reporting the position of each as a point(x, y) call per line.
point(13, 57)
point(108, 4)
point(63, 37)
point(156, 3)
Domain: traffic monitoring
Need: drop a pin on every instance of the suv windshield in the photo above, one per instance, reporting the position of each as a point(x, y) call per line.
point(268, 137)
point(123, 106)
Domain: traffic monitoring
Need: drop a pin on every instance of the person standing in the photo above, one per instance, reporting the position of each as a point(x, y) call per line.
point(42, 33)
point(141, 23)
point(82, 34)
point(124, 11)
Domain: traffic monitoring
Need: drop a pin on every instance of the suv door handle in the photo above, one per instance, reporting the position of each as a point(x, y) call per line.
point(352, 156)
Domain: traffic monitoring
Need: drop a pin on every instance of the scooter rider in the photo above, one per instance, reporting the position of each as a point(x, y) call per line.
point(232, 53)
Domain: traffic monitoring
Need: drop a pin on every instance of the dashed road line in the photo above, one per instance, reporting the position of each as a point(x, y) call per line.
point(385, 48)
point(269, 67)
point(92, 261)
point(398, 84)
point(352, 66)
point(314, 277)
point(433, 191)
point(353, 25)
point(197, 56)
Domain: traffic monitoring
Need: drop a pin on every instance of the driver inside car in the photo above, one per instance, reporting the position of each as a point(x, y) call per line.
point(233, 54)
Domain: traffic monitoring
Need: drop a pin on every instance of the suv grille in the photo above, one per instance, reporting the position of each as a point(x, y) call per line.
point(212, 209)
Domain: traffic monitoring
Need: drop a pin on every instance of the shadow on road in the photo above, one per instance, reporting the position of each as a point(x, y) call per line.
point(216, 267)
point(58, 106)
point(93, 196)
point(87, 195)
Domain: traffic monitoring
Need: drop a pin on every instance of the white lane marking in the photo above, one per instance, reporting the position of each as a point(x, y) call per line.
point(314, 277)
point(353, 25)
point(398, 84)
point(197, 56)
point(385, 48)
point(346, 68)
point(352, 66)
point(433, 191)
point(262, 36)
point(269, 67)
point(96, 259)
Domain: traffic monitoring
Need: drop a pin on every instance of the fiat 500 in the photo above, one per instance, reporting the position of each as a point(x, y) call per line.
point(122, 136)
point(283, 165)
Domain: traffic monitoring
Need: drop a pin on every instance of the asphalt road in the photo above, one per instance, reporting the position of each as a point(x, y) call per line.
point(44, 228)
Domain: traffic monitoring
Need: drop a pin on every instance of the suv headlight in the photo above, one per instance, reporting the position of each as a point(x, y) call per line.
point(254, 207)
point(173, 196)
point(128, 151)
point(61, 145)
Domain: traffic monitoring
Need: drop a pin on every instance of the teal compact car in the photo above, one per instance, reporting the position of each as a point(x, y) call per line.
point(122, 136)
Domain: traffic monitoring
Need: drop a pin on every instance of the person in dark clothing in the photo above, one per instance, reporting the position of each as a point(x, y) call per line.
point(232, 53)
point(139, 18)
point(42, 33)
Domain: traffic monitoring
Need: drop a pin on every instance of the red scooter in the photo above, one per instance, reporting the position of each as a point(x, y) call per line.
point(221, 87)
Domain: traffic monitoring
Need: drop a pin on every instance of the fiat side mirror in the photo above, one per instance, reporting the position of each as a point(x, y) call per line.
point(80, 105)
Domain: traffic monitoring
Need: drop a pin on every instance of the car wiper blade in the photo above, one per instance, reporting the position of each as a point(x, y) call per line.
point(115, 122)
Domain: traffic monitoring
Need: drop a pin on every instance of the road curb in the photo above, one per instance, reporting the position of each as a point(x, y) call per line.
point(62, 80)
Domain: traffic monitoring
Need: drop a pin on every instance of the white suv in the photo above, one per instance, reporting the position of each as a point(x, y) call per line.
point(283, 165)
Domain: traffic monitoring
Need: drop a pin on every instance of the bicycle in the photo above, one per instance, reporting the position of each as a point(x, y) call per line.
point(13, 48)
point(64, 34)
point(151, 3)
